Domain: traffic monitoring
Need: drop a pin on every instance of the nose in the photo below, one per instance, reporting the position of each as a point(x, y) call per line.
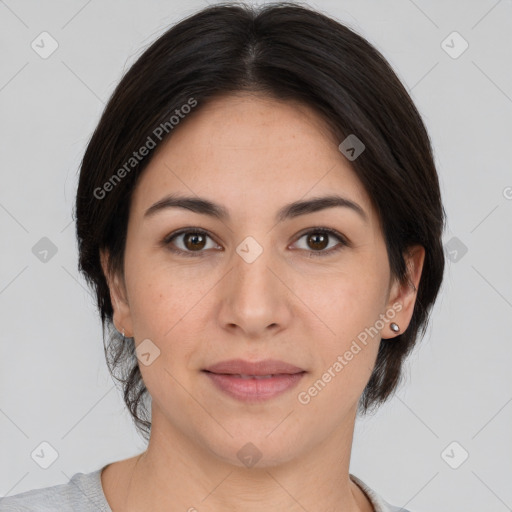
point(254, 297)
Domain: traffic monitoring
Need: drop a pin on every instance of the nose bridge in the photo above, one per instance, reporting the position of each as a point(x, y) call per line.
point(253, 297)
point(251, 273)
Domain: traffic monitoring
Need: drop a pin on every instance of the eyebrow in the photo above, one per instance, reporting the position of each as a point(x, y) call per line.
point(206, 207)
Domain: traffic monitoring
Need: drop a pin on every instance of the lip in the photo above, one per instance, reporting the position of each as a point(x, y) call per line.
point(254, 390)
point(264, 367)
point(239, 378)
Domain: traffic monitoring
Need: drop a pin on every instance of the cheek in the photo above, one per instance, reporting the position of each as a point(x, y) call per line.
point(347, 301)
point(346, 349)
point(164, 307)
point(348, 305)
point(163, 296)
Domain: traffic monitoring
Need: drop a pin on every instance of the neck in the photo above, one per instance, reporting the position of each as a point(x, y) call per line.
point(176, 473)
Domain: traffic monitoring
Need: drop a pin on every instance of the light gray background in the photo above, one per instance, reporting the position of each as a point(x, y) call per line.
point(53, 379)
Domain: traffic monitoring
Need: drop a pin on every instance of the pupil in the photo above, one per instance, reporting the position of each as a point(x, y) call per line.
point(315, 237)
point(193, 239)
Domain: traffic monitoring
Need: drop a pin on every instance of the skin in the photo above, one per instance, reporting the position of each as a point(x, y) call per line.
point(252, 155)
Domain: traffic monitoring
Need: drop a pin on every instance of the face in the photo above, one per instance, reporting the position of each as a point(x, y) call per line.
point(254, 285)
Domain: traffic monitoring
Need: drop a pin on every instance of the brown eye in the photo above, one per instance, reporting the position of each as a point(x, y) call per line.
point(191, 242)
point(318, 241)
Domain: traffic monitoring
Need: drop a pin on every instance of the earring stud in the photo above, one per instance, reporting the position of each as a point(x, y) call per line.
point(394, 327)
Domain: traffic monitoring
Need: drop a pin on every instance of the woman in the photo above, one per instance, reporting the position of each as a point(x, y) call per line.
point(259, 214)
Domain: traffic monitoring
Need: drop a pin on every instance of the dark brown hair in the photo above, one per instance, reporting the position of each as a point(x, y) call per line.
point(286, 51)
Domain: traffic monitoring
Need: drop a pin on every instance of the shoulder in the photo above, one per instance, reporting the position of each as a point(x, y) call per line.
point(83, 493)
point(378, 502)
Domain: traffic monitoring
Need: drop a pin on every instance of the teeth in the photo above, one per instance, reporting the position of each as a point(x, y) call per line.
point(255, 376)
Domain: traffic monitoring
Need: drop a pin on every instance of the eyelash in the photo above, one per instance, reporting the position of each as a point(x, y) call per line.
point(320, 230)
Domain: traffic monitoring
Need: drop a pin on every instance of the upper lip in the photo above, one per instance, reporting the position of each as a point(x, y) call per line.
point(264, 367)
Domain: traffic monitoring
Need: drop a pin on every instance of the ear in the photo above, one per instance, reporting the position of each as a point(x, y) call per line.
point(118, 297)
point(402, 296)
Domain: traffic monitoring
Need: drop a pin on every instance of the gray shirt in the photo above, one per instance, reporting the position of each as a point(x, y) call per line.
point(84, 493)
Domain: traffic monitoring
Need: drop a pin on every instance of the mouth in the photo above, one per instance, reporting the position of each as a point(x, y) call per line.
point(264, 368)
point(257, 377)
point(254, 382)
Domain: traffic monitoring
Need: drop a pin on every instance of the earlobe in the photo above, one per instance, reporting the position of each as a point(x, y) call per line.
point(405, 293)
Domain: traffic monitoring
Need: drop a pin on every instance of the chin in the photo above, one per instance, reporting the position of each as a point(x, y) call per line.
point(257, 450)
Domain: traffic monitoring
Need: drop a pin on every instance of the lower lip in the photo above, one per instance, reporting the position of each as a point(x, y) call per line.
point(254, 390)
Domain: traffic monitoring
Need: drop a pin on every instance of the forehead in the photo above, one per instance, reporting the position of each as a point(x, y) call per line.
point(250, 121)
point(248, 150)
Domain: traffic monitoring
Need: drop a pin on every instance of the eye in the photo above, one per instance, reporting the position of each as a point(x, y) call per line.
point(194, 241)
point(189, 241)
point(318, 238)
